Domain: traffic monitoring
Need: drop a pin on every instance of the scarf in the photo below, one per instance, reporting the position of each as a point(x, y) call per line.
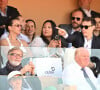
point(13, 68)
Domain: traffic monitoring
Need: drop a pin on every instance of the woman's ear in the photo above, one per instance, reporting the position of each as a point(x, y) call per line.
point(9, 28)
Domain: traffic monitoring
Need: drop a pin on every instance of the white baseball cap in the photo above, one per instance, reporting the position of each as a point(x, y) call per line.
point(13, 73)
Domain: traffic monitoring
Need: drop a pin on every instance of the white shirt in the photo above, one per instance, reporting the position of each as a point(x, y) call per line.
point(72, 31)
point(38, 42)
point(88, 13)
point(87, 43)
point(73, 75)
point(21, 36)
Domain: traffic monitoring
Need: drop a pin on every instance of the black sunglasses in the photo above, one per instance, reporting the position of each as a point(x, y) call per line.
point(85, 26)
point(77, 18)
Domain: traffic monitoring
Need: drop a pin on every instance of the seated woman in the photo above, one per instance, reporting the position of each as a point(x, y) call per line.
point(47, 38)
point(97, 30)
point(30, 29)
point(14, 28)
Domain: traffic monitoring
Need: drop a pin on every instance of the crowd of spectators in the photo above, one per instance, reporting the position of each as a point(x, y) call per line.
point(18, 36)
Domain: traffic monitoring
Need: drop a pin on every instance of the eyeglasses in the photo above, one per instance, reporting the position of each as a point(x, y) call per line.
point(85, 26)
point(16, 55)
point(77, 18)
point(17, 25)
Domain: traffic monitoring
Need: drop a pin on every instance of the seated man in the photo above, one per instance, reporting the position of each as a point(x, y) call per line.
point(6, 13)
point(14, 63)
point(17, 81)
point(78, 73)
point(86, 9)
point(76, 20)
point(85, 38)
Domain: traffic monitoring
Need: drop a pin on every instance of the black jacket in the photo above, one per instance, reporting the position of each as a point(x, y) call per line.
point(68, 28)
point(9, 68)
point(93, 13)
point(77, 40)
point(11, 13)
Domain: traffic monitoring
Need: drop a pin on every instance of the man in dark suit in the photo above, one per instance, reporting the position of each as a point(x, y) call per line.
point(85, 38)
point(76, 20)
point(6, 13)
point(85, 8)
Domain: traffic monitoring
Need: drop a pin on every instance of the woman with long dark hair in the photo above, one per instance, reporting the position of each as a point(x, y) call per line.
point(49, 36)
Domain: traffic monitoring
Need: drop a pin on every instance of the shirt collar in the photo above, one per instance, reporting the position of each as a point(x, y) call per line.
point(87, 12)
point(77, 65)
point(73, 30)
point(2, 14)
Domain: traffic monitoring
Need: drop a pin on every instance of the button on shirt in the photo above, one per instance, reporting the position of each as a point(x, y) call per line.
point(73, 75)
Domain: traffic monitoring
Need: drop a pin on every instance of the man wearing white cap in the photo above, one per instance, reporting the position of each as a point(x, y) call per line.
point(19, 82)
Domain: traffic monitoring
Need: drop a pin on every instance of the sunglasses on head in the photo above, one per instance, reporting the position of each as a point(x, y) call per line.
point(77, 18)
point(85, 26)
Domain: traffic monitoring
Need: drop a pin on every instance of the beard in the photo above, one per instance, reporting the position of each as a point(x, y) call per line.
point(14, 63)
point(75, 26)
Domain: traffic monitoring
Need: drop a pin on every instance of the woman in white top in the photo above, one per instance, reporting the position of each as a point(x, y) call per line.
point(14, 28)
point(48, 34)
point(49, 38)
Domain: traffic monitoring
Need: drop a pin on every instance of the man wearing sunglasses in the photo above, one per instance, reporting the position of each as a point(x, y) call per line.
point(85, 38)
point(85, 8)
point(76, 20)
point(15, 56)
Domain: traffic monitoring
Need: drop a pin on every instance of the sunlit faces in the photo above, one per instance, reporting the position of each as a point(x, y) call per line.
point(15, 57)
point(47, 29)
point(87, 31)
point(3, 3)
point(30, 28)
point(77, 18)
point(15, 27)
point(97, 23)
point(82, 57)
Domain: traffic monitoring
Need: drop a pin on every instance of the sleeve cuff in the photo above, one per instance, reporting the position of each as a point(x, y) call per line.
point(65, 36)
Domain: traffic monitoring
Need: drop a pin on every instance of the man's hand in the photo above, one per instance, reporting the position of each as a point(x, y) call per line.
point(61, 32)
point(55, 43)
point(28, 68)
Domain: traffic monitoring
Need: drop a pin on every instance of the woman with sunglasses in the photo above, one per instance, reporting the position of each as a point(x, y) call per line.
point(97, 29)
point(14, 29)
